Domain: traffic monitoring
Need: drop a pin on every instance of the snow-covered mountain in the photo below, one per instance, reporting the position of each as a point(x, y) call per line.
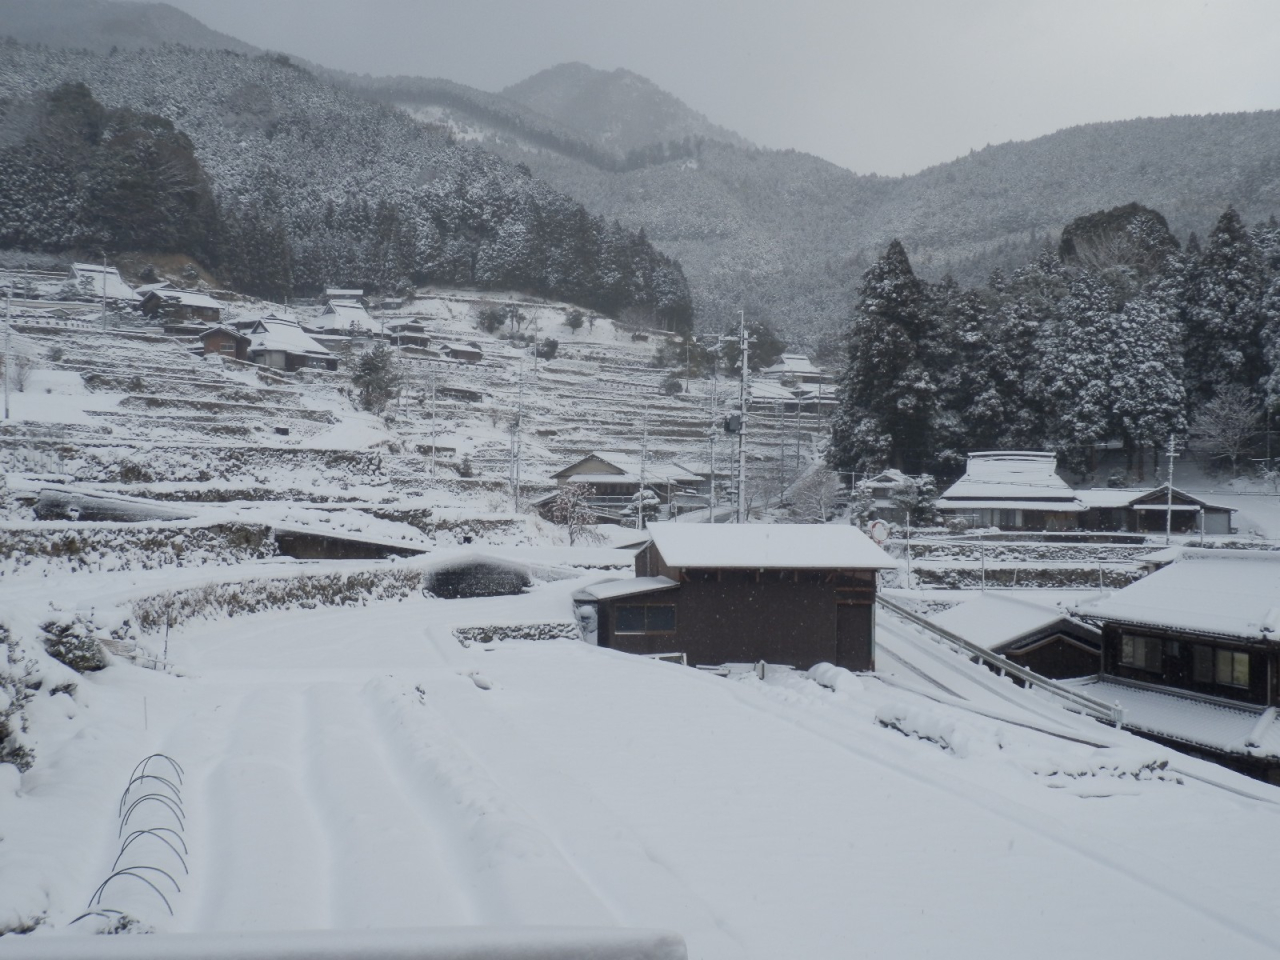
point(101, 25)
point(617, 109)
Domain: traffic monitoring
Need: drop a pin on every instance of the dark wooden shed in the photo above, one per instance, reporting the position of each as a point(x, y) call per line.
point(796, 594)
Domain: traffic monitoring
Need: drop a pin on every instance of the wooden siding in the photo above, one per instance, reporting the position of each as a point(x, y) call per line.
point(795, 617)
point(1173, 663)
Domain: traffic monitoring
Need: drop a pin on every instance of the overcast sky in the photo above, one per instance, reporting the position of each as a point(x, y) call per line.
point(889, 87)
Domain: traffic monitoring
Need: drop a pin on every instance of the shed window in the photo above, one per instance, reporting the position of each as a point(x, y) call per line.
point(650, 618)
point(1144, 653)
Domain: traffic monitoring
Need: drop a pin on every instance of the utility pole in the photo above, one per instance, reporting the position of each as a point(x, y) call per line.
point(644, 455)
point(745, 344)
point(104, 291)
point(711, 437)
point(515, 442)
point(8, 328)
point(1168, 515)
point(434, 433)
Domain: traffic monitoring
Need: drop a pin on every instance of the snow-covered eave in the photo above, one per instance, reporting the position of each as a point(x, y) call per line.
point(1255, 636)
point(612, 589)
point(1049, 506)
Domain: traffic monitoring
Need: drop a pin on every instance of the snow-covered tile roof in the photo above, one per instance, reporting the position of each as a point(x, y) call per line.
point(992, 619)
point(765, 390)
point(631, 469)
point(342, 315)
point(1225, 593)
point(188, 298)
point(631, 586)
point(1243, 729)
point(768, 545)
point(794, 363)
point(282, 335)
point(116, 288)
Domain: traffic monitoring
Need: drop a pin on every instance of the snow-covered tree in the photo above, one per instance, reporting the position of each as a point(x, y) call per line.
point(886, 394)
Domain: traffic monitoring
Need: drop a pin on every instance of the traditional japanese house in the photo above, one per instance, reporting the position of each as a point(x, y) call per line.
point(615, 478)
point(169, 305)
point(1013, 490)
point(1022, 491)
point(797, 594)
point(1037, 634)
point(1192, 653)
point(346, 318)
point(226, 343)
point(462, 352)
point(103, 283)
point(284, 346)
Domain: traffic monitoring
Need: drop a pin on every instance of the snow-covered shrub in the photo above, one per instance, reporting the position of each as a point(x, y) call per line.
point(18, 684)
point(517, 631)
point(76, 642)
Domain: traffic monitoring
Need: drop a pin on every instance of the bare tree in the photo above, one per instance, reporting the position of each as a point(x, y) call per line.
point(1225, 425)
point(813, 496)
point(22, 367)
point(572, 510)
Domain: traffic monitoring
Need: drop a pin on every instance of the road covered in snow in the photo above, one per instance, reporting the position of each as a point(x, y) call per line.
point(361, 768)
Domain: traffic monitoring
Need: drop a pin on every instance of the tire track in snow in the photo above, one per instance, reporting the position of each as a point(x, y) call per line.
point(514, 870)
point(389, 868)
point(619, 866)
point(264, 861)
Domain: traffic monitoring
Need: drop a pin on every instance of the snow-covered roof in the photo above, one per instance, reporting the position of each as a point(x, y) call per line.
point(1057, 506)
point(804, 546)
point(792, 363)
point(348, 293)
point(1241, 729)
point(188, 298)
point(629, 468)
point(628, 587)
point(146, 288)
point(1226, 593)
point(283, 335)
point(1120, 497)
point(764, 391)
point(116, 288)
point(999, 475)
point(993, 619)
point(342, 315)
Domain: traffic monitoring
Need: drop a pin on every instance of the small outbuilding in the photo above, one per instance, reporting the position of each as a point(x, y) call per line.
point(226, 342)
point(1038, 635)
point(797, 594)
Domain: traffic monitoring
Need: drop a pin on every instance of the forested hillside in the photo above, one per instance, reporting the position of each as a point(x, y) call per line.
point(787, 235)
point(316, 186)
point(1118, 336)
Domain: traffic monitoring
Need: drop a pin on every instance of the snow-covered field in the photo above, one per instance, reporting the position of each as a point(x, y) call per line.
point(360, 768)
point(362, 761)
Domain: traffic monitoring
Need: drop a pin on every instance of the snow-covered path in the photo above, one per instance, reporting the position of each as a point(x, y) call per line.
point(359, 768)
